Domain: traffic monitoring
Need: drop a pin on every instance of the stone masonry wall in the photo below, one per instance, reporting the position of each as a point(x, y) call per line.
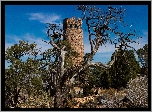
point(74, 34)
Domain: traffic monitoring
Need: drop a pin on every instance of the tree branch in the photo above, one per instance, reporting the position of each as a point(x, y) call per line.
point(53, 44)
point(62, 61)
point(108, 66)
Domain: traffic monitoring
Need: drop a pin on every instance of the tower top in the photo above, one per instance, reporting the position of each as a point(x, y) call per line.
point(72, 23)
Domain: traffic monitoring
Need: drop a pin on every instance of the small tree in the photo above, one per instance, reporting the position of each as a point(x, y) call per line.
point(21, 75)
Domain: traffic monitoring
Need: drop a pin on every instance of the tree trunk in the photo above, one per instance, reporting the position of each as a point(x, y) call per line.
point(58, 101)
point(16, 95)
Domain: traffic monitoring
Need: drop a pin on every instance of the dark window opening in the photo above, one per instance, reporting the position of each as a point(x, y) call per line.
point(76, 26)
point(70, 25)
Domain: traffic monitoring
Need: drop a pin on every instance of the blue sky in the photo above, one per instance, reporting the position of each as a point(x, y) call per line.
point(27, 22)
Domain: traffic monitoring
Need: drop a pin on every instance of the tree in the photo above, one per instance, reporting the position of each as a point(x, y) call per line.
point(143, 58)
point(96, 77)
point(100, 24)
point(21, 75)
point(125, 68)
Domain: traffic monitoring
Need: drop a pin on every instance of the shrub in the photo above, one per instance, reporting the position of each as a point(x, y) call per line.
point(137, 92)
point(42, 100)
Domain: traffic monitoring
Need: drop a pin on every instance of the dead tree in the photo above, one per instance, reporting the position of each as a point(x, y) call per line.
point(99, 25)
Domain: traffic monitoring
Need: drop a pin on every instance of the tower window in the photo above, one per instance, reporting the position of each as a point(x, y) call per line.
point(76, 26)
point(70, 25)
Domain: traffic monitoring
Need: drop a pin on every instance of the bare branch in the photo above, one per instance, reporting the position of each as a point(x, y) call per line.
point(89, 64)
point(62, 61)
point(53, 44)
point(54, 35)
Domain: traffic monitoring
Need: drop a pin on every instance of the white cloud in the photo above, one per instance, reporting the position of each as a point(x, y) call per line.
point(107, 48)
point(11, 40)
point(8, 45)
point(38, 40)
point(104, 53)
point(142, 41)
point(102, 49)
point(45, 18)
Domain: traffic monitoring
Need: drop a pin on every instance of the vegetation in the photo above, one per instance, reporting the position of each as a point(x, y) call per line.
point(48, 78)
point(125, 68)
point(137, 92)
point(143, 58)
point(21, 75)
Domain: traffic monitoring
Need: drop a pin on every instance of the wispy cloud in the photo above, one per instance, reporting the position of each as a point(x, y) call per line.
point(102, 49)
point(111, 47)
point(45, 18)
point(142, 41)
point(13, 39)
point(104, 52)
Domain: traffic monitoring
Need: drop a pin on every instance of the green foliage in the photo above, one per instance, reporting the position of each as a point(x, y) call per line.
point(19, 50)
point(99, 77)
point(86, 90)
point(87, 55)
point(28, 75)
point(124, 68)
point(143, 58)
point(96, 77)
point(68, 56)
point(105, 79)
point(21, 74)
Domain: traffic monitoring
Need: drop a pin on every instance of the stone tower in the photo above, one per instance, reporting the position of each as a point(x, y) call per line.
point(74, 35)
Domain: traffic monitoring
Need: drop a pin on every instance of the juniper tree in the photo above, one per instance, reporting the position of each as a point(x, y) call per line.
point(143, 58)
point(21, 75)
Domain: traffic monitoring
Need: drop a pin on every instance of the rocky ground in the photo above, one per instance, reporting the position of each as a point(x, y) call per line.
point(134, 96)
